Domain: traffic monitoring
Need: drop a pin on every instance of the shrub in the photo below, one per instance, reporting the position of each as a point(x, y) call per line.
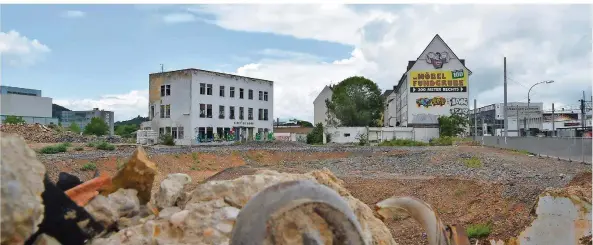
point(13, 120)
point(67, 144)
point(74, 128)
point(167, 139)
point(91, 144)
point(90, 166)
point(473, 162)
point(79, 148)
point(362, 139)
point(316, 135)
point(402, 142)
point(478, 230)
point(53, 149)
point(105, 146)
point(97, 127)
point(444, 140)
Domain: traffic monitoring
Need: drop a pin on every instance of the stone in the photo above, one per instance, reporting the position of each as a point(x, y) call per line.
point(171, 190)
point(168, 211)
point(126, 202)
point(178, 219)
point(102, 210)
point(138, 174)
point(45, 239)
point(22, 186)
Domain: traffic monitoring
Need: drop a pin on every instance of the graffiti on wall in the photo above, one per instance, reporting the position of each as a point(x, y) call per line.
point(458, 101)
point(437, 59)
point(459, 110)
point(428, 102)
point(425, 118)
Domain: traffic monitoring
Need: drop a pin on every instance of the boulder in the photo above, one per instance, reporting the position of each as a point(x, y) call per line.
point(138, 174)
point(22, 185)
point(116, 207)
point(209, 214)
point(171, 190)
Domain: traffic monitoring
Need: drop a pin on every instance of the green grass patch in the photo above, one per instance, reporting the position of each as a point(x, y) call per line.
point(524, 152)
point(91, 144)
point(53, 149)
point(473, 162)
point(478, 230)
point(79, 148)
point(67, 144)
point(445, 140)
point(90, 166)
point(105, 146)
point(402, 142)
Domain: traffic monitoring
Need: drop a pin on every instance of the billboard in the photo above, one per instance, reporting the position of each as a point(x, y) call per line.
point(561, 117)
point(438, 81)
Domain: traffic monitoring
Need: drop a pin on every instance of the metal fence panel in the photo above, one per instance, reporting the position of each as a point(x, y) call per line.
point(574, 149)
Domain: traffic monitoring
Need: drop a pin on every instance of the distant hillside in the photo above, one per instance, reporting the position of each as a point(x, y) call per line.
point(134, 121)
point(56, 111)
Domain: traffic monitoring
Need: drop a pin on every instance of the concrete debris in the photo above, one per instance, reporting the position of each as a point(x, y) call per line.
point(102, 210)
point(37, 133)
point(208, 218)
point(121, 206)
point(138, 173)
point(171, 190)
point(22, 185)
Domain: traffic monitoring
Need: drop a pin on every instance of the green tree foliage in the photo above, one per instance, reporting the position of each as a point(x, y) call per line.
point(452, 125)
point(74, 128)
point(13, 120)
point(316, 135)
point(126, 130)
point(356, 102)
point(167, 139)
point(304, 124)
point(96, 127)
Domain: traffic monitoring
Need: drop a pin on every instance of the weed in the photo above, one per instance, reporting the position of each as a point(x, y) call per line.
point(79, 148)
point(53, 149)
point(176, 155)
point(459, 193)
point(524, 152)
point(105, 146)
point(167, 139)
point(402, 142)
point(194, 167)
point(473, 162)
point(478, 230)
point(90, 166)
point(445, 140)
point(67, 144)
point(195, 157)
point(91, 144)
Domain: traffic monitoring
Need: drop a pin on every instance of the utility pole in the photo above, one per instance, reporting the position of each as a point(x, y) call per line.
point(518, 130)
point(583, 113)
point(475, 119)
point(553, 122)
point(162, 68)
point(505, 115)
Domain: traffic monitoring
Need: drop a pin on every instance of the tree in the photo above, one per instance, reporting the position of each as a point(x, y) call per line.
point(316, 135)
point(304, 124)
point(13, 120)
point(452, 125)
point(96, 127)
point(356, 102)
point(126, 130)
point(74, 128)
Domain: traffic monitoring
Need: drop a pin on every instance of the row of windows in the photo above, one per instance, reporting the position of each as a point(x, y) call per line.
point(208, 132)
point(176, 132)
point(206, 89)
point(206, 112)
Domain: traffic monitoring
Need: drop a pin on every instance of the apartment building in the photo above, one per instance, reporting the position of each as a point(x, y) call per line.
point(26, 103)
point(82, 118)
point(195, 105)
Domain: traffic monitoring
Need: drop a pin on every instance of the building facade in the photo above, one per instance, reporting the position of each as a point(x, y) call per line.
point(26, 103)
point(196, 106)
point(435, 84)
point(319, 106)
point(83, 118)
point(521, 116)
point(390, 112)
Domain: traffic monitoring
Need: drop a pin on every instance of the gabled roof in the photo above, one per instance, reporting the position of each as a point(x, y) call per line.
point(447, 46)
point(387, 93)
point(324, 90)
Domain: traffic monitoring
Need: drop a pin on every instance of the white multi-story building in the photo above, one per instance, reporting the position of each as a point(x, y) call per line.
point(27, 104)
point(196, 105)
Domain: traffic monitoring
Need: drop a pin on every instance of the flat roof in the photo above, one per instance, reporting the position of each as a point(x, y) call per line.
point(213, 72)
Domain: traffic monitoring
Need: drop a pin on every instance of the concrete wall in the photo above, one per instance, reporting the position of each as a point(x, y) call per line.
point(575, 149)
point(377, 134)
point(25, 105)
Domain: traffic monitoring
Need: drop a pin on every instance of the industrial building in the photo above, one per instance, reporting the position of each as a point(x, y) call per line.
point(26, 103)
point(195, 105)
point(491, 119)
point(82, 118)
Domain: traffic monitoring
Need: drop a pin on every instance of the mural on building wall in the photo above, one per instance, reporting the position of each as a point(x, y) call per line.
point(437, 59)
point(425, 118)
point(427, 102)
point(438, 81)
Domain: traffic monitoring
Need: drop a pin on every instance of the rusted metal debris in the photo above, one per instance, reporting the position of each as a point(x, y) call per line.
point(251, 224)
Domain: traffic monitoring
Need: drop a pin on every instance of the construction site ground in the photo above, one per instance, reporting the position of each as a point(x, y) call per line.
point(465, 184)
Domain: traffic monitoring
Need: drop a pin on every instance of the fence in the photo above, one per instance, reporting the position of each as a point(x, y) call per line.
point(572, 149)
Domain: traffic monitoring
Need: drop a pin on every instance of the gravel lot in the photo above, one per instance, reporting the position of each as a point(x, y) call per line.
point(500, 190)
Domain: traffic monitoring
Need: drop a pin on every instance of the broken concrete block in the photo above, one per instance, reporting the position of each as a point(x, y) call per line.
point(22, 185)
point(138, 173)
point(171, 190)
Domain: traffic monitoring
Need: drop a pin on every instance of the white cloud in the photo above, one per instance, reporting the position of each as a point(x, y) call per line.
point(18, 50)
point(178, 18)
point(74, 14)
point(124, 106)
point(541, 42)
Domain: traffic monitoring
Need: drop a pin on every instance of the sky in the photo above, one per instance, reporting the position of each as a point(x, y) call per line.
point(87, 56)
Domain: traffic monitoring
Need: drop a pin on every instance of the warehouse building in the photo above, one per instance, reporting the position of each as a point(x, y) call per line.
point(26, 103)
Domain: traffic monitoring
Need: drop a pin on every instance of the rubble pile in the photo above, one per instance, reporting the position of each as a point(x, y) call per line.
point(37, 133)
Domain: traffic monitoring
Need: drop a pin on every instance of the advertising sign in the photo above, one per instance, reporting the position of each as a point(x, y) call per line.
point(438, 81)
point(561, 117)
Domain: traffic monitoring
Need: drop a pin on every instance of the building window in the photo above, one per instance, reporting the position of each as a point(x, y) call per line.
point(209, 133)
point(265, 114)
point(168, 130)
point(260, 114)
point(250, 94)
point(221, 93)
point(202, 132)
point(167, 111)
point(249, 113)
point(220, 133)
point(163, 111)
point(209, 89)
point(240, 93)
point(240, 113)
point(232, 92)
point(202, 88)
point(177, 132)
point(231, 112)
point(165, 90)
point(202, 110)
point(221, 111)
point(151, 112)
point(261, 95)
point(209, 110)
point(161, 131)
point(265, 96)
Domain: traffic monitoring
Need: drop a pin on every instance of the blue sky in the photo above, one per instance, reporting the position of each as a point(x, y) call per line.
point(89, 56)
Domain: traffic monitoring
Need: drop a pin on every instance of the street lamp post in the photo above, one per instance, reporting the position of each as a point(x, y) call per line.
point(529, 101)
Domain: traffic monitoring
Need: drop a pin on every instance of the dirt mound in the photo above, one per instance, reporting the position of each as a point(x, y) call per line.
point(37, 133)
point(582, 179)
